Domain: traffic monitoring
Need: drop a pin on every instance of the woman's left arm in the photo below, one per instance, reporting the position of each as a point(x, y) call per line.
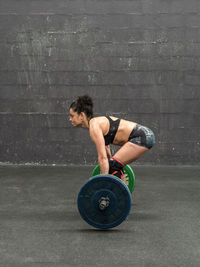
point(108, 152)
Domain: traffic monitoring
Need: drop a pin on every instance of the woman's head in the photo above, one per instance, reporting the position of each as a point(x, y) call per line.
point(81, 110)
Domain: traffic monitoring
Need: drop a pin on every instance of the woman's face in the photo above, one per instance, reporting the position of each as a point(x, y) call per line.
point(75, 118)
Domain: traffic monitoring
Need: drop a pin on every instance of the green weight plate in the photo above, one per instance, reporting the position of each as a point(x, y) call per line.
point(129, 174)
point(96, 171)
point(130, 177)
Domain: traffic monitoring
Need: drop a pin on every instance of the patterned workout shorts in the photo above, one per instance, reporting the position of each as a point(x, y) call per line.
point(142, 136)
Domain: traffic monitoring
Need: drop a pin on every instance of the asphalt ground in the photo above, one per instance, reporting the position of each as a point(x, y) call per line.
point(40, 224)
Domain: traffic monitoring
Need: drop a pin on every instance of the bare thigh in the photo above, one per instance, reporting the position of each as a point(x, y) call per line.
point(130, 152)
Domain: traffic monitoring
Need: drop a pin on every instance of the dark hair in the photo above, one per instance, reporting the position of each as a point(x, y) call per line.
point(83, 104)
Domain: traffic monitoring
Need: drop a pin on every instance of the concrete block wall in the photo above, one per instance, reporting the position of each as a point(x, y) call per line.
point(139, 60)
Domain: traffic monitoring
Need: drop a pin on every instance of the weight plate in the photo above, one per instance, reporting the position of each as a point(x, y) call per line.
point(129, 175)
point(104, 189)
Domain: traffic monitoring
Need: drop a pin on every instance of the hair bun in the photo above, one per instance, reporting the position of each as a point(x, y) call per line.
point(85, 100)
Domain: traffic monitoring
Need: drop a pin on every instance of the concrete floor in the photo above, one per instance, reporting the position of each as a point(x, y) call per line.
point(40, 224)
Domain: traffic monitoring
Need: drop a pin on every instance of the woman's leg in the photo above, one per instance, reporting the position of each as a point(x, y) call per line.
point(130, 152)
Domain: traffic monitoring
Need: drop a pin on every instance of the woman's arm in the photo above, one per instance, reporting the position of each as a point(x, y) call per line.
point(109, 155)
point(97, 137)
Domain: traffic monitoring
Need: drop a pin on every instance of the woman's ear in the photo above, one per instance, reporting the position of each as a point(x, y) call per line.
point(83, 116)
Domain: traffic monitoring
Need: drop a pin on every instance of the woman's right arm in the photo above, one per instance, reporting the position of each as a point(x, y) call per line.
point(98, 138)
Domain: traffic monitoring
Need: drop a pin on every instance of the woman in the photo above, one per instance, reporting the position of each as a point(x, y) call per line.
point(134, 139)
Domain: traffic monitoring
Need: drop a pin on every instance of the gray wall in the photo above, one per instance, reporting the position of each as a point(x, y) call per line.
point(139, 60)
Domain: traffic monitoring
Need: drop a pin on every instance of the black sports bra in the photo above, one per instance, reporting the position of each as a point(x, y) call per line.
point(112, 131)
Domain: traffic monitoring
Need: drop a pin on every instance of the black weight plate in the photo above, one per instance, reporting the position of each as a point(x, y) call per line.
point(109, 187)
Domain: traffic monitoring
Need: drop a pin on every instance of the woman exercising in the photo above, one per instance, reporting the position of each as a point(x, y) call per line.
point(134, 139)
